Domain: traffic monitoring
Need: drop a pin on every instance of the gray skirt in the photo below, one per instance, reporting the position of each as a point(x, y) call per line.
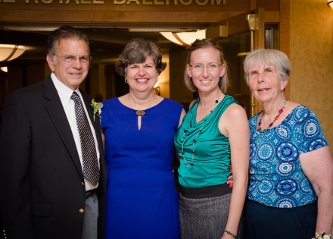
point(203, 218)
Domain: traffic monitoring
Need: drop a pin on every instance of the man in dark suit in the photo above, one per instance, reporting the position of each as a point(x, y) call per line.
point(48, 190)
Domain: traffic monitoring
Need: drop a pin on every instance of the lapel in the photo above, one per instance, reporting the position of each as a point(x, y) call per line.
point(58, 117)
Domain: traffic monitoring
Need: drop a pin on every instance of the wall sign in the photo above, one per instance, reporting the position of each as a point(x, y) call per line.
point(121, 2)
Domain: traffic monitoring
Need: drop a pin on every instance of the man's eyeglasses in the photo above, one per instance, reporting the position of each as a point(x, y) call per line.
point(210, 67)
point(72, 59)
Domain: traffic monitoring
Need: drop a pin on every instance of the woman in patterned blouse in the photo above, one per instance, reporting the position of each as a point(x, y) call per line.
point(290, 193)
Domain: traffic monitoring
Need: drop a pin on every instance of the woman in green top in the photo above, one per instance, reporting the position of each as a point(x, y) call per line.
point(214, 134)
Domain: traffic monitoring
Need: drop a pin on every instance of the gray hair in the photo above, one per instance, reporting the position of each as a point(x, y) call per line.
point(64, 32)
point(270, 57)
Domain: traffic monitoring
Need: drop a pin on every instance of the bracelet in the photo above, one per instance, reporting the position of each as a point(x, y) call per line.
point(233, 235)
point(322, 235)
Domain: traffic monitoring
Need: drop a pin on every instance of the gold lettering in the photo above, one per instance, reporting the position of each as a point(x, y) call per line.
point(118, 2)
point(202, 2)
point(184, 2)
point(76, 1)
point(135, 1)
point(157, 2)
point(147, 2)
point(127, 2)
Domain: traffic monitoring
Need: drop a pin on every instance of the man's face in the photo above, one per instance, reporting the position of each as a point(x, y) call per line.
point(71, 61)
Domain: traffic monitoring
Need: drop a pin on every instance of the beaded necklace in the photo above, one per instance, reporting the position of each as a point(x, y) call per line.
point(275, 118)
point(189, 162)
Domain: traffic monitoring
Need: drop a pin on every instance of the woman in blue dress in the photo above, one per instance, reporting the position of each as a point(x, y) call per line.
point(139, 127)
point(290, 191)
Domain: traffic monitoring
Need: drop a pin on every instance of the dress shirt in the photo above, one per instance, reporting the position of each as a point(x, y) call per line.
point(65, 94)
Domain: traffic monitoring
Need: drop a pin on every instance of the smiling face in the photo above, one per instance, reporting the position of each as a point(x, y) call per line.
point(265, 83)
point(205, 69)
point(68, 70)
point(141, 77)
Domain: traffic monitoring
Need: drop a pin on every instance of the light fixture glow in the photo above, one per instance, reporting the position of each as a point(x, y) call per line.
point(330, 3)
point(10, 52)
point(4, 69)
point(184, 38)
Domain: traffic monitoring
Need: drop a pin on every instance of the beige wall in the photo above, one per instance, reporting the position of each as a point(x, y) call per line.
point(311, 53)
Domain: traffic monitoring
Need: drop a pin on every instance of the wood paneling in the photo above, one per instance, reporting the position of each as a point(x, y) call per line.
point(132, 12)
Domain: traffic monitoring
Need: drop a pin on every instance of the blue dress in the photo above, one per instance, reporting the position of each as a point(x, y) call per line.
point(142, 200)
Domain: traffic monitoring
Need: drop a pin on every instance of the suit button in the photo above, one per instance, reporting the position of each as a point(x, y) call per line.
point(81, 210)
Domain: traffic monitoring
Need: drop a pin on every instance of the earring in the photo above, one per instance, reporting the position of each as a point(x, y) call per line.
point(126, 80)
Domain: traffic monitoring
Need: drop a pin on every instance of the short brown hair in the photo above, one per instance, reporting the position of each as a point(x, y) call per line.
point(137, 51)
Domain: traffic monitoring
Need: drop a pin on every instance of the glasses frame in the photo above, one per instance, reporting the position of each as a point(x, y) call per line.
point(70, 59)
point(211, 67)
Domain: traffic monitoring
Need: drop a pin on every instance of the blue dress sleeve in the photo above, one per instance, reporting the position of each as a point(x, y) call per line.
point(308, 133)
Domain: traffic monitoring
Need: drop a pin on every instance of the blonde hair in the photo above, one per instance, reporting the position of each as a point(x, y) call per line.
point(201, 44)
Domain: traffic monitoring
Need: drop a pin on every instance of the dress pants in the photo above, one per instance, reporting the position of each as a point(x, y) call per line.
point(90, 217)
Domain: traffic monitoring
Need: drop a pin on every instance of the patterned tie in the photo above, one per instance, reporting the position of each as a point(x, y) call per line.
point(89, 155)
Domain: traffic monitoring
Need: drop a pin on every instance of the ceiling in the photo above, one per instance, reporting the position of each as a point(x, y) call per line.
point(110, 27)
point(106, 43)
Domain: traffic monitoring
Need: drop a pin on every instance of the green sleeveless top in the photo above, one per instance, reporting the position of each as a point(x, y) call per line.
point(204, 152)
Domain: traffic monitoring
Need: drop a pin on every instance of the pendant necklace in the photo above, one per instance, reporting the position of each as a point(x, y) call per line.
point(141, 113)
point(189, 162)
point(275, 118)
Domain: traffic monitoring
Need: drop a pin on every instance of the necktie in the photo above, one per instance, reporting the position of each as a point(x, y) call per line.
point(89, 154)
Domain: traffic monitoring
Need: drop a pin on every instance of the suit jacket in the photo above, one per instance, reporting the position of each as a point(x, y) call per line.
point(43, 191)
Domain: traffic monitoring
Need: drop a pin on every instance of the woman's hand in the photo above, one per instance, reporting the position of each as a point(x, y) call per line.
point(230, 181)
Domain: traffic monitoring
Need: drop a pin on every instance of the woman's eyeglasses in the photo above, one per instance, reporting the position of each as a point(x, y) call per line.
point(200, 67)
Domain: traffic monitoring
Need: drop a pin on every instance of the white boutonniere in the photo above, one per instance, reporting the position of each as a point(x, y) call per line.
point(322, 236)
point(97, 106)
